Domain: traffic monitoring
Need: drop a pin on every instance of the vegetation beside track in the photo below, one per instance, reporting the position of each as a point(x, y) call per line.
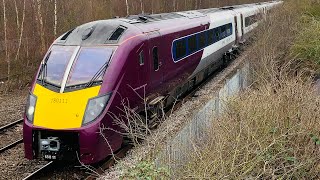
point(271, 131)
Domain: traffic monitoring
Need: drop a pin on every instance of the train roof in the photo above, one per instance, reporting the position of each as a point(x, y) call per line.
point(111, 31)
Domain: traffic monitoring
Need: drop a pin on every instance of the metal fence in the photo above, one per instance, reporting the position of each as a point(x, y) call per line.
point(177, 152)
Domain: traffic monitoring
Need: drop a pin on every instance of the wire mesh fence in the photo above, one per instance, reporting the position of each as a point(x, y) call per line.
point(177, 152)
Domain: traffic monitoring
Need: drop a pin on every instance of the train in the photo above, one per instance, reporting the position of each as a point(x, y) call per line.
point(146, 61)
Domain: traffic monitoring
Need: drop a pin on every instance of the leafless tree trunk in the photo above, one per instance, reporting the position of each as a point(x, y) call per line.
point(21, 30)
point(55, 19)
point(141, 6)
point(39, 14)
point(152, 12)
point(128, 10)
point(17, 15)
point(5, 38)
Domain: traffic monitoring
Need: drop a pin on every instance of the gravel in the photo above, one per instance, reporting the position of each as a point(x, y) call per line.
point(12, 106)
point(11, 135)
point(173, 124)
point(13, 165)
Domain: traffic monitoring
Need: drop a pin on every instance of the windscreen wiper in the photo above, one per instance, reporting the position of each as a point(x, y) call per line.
point(44, 70)
point(101, 72)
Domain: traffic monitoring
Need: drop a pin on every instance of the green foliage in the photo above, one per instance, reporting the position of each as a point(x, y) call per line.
point(146, 170)
point(315, 139)
point(307, 44)
point(314, 11)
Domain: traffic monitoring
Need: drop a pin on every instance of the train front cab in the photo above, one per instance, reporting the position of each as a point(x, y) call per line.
point(66, 106)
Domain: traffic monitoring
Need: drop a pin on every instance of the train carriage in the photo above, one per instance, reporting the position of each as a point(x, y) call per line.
point(90, 71)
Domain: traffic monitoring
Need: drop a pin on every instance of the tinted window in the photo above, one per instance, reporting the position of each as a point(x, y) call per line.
point(89, 62)
point(181, 49)
point(57, 62)
point(192, 44)
point(229, 29)
point(155, 58)
point(210, 37)
point(117, 33)
point(223, 31)
point(247, 21)
point(141, 58)
point(66, 35)
point(202, 40)
point(251, 20)
point(216, 34)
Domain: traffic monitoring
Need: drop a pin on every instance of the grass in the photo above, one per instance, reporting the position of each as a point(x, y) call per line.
point(266, 133)
point(307, 45)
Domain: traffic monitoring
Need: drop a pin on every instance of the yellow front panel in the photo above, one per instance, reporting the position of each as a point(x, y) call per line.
point(61, 110)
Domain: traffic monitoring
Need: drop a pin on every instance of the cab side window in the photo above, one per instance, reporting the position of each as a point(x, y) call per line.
point(141, 58)
point(155, 58)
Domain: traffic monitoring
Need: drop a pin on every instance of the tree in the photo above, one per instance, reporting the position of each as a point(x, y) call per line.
point(6, 38)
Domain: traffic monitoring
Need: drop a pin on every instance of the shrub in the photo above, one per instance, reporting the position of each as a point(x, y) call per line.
point(266, 133)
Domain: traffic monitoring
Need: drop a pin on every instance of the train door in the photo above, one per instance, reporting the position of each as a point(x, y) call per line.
point(142, 67)
point(156, 61)
point(242, 27)
point(236, 29)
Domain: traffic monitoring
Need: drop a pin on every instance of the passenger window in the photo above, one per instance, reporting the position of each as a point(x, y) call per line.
point(217, 34)
point(192, 44)
point(181, 49)
point(229, 29)
point(155, 58)
point(141, 58)
point(210, 37)
point(202, 40)
point(223, 31)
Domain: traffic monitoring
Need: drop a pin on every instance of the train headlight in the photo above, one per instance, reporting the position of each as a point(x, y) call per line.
point(31, 107)
point(94, 108)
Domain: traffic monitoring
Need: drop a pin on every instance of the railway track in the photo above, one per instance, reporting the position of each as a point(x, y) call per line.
point(36, 174)
point(7, 128)
point(51, 166)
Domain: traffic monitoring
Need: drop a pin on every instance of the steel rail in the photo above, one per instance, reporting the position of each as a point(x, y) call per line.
point(11, 125)
point(8, 126)
point(36, 173)
point(3, 149)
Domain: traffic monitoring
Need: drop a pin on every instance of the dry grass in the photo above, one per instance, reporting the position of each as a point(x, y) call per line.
point(272, 130)
point(266, 133)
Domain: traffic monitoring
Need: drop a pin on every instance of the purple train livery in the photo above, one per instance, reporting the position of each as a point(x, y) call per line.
point(89, 71)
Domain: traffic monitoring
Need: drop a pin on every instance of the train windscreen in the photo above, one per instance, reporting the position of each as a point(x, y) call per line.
point(89, 66)
point(55, 64)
